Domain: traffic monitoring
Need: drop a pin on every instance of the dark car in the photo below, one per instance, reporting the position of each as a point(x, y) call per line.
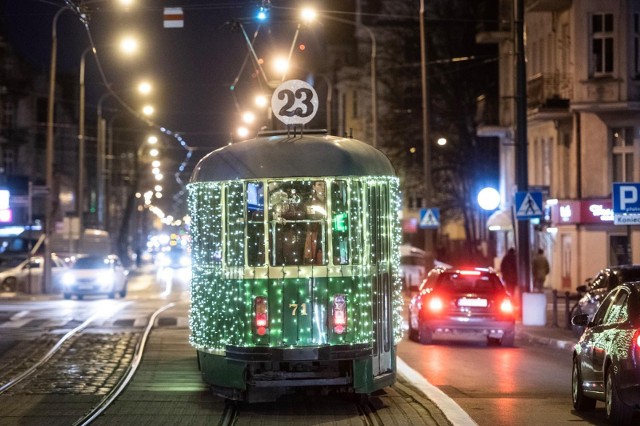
point(606, 359)
point(462, 301)
point(598, 287)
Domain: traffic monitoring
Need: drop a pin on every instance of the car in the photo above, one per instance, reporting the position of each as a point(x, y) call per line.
point(95, 275)
point(25, 275)
point(470, 300)
point(176, 257)
point(606, 359)
point(597, 288)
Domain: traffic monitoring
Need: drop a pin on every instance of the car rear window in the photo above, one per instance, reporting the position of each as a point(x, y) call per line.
point(468, 283)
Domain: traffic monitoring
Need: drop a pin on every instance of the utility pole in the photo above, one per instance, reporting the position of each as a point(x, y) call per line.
point(426, 144)
point(524, 264)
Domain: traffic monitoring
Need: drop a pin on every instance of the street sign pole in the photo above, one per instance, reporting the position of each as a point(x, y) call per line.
point(524, 265)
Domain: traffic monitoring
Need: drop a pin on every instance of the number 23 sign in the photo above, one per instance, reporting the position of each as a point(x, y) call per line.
point(294, 102)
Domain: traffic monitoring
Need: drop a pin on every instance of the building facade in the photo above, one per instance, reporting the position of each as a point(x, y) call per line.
point(583, 134)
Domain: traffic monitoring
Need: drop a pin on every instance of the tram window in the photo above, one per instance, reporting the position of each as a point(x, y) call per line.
point(340, 222)
point(255, 223)
point(234, 225)
point(297, 223)
point(358, 211)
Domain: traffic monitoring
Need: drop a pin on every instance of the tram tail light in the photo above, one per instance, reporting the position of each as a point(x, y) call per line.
point(339, 313)
point(260, 309)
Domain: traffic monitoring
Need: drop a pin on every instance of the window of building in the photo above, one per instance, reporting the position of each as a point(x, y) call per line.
point(354, 104)
point(622, 154)
point(602, 39)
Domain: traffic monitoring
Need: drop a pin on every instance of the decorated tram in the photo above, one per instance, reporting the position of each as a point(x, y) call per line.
point(295, 257)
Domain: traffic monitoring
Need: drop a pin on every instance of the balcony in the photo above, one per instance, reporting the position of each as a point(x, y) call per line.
point(547, 5)
point(549, 91)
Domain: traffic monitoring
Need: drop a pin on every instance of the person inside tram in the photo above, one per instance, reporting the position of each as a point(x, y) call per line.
point(316, 209)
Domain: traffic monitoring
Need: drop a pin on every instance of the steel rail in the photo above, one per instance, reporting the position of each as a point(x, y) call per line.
point(126, 378)
point(11, 383)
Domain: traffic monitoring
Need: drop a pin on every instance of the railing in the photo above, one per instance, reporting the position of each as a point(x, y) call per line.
point(545, 88)
point(566, 297)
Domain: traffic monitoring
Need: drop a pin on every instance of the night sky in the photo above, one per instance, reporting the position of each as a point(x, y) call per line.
point(191, 68)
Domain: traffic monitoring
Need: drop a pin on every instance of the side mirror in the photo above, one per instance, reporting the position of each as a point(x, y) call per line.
point(581, 320)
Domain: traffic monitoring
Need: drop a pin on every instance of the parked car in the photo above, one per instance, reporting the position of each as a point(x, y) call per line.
point(24, 275)
point(462, 301)
point(598, 287)
point(606, 359)
point(95, 275)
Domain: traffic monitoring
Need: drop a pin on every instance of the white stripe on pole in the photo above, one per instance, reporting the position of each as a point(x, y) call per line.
point(173, 17)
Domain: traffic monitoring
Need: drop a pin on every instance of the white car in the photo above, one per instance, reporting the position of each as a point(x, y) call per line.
point(26, 276)
point(95, 275)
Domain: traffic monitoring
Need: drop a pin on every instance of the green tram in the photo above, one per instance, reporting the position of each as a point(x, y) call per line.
point(295, 258)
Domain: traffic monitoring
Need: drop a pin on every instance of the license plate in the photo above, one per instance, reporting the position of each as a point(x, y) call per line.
point(475, 303)
point(85, 287)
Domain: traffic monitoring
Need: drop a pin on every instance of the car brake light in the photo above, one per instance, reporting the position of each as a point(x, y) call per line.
point(339, 313)
point(469, 272)
point(436, 304)
point(506, 307)
point(261, 315)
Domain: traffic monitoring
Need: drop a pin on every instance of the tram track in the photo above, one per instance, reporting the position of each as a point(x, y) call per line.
point(47, 356)
point(131, 370)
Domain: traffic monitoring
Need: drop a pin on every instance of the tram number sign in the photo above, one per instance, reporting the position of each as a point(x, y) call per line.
point(294, 102)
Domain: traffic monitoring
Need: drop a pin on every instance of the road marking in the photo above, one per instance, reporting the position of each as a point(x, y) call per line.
point(19, 315)
point(15, 324)
point(451, 410)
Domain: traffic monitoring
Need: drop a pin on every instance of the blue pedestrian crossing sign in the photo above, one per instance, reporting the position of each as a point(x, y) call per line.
point(528, 205)
point(429, 218)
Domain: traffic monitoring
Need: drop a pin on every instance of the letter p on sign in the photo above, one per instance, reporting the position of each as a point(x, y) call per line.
point(628, 195)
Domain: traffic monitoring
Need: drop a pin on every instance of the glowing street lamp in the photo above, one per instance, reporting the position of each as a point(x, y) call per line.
point(148, 110)
point(248, 117)
point(129, 45)
point(489, 199)
point(144, 87)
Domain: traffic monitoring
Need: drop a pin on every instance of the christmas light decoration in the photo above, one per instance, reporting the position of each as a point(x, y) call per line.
point(296, 246)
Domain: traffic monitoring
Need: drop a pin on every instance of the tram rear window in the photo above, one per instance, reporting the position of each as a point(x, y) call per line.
point(297, 223)
point(340, 222)
point(255, 223)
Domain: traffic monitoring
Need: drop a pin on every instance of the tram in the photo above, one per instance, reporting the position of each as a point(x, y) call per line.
point(295, 259)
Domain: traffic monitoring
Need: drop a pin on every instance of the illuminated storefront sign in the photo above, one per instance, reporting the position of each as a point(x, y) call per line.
point(582, 212)
point(5, 212)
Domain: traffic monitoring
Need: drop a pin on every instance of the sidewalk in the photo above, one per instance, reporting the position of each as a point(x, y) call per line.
point(557, 335)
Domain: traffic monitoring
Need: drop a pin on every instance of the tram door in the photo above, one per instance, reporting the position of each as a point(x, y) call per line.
point(381, 285)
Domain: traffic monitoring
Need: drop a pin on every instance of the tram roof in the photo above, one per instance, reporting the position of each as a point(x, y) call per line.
point(282, 155)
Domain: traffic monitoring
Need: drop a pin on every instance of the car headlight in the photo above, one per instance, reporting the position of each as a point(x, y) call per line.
point(68, 279)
